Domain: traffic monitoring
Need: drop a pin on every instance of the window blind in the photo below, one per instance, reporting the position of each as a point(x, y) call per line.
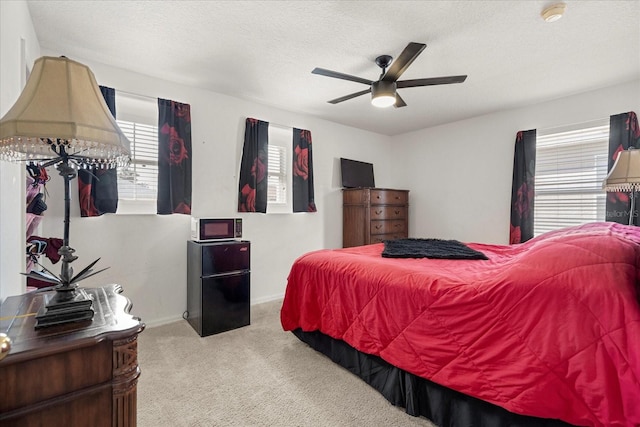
point(277, 174)
point(139, 180)
point(570, 168)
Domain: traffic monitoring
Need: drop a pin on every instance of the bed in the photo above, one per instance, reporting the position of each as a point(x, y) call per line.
point(545, 332)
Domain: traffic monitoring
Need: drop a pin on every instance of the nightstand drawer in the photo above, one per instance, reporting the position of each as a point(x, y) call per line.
point(390, 226)
point(388, 197)
point(388, 212)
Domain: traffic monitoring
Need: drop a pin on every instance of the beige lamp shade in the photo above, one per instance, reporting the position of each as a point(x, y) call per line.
point(625, 173)
point(62, 105)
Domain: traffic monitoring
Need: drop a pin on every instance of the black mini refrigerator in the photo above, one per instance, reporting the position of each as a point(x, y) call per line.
point(218, 285)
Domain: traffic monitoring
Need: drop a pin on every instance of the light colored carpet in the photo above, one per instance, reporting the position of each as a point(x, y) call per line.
point(257, 375)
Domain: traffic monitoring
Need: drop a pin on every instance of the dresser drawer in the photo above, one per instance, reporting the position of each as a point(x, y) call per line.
point(379, 238)
point(389, 226)
point(388, 197)
point(388, 212)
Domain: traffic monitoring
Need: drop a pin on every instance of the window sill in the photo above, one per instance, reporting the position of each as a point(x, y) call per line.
point(136, 207)
point(279, 208)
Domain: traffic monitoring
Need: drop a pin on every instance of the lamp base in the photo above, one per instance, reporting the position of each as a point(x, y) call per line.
point(64, 307)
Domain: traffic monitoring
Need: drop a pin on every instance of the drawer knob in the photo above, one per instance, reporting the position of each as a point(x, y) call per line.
point(378, 227)
point(397, 212)
point(378, 212)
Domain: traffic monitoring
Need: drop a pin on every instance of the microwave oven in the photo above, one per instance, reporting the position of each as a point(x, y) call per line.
point(210, 229)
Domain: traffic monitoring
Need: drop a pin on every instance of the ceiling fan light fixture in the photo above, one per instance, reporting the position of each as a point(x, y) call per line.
point(383, 94)
point(553, 13)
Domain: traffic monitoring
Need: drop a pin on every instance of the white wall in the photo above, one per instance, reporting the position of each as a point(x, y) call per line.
point(460, 173)
point(147, 254)
point(18, 47)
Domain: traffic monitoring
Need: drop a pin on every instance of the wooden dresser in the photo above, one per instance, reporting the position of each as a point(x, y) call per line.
point(75, 374)
point(371, 215)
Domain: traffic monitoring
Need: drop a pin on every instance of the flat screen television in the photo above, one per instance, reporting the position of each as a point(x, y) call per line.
point(356, 174)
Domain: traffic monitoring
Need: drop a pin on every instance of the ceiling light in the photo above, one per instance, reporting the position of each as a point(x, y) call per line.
point(553, 13)
point(383, 94)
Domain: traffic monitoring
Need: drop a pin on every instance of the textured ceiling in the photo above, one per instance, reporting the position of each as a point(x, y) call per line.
point(264, 51)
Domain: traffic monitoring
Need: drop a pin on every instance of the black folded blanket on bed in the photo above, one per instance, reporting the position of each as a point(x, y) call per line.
point(429, 248)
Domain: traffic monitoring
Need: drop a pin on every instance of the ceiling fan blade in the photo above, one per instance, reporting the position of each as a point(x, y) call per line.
point(402, 62)
point(431, 81)
point(337, 75)
point(399, 102)
point(346, 97)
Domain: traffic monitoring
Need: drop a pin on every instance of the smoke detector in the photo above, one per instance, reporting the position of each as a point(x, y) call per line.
point(553, 13)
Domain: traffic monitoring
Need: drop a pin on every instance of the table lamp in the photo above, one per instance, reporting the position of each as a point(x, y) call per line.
point(62, 120)
point(625, 176)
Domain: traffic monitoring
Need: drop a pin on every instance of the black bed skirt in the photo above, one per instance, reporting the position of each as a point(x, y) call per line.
point(419, 397)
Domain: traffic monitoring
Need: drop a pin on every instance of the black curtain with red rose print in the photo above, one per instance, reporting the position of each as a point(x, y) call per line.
point(253, 183)
point(522, 190)
point(174, 157)
point(623, 134)
point(303, 199)
point(98, 188)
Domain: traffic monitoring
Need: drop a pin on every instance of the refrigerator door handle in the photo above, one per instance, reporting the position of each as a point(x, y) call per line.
point(226, 274)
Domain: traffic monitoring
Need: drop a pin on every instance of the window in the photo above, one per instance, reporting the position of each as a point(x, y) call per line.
point(570, 168)
point(277, 175)
point(138, 182)
point(279, 170)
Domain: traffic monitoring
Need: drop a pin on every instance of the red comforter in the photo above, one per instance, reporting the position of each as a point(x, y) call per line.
point(548, 328)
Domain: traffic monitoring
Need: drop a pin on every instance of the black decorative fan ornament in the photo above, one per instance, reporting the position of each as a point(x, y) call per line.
point(384, 90)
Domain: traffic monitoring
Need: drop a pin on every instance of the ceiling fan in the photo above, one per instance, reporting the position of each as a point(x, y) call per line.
point(383, 91)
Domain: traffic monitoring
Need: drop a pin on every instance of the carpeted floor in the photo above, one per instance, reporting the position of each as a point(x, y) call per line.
point(258, 375)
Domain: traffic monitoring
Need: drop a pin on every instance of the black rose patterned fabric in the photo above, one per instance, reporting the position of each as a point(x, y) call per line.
point(522, 190)
point(98, 188)
point(253, 182)
point(303, 198)
point(624, 133)
point(174, 157)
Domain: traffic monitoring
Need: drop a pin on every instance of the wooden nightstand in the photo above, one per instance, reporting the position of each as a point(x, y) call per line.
point(76, 374)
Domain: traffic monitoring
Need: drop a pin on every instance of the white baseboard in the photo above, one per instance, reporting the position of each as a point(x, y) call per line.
point(171, 319)
point(269, 298)
point(163, 321)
